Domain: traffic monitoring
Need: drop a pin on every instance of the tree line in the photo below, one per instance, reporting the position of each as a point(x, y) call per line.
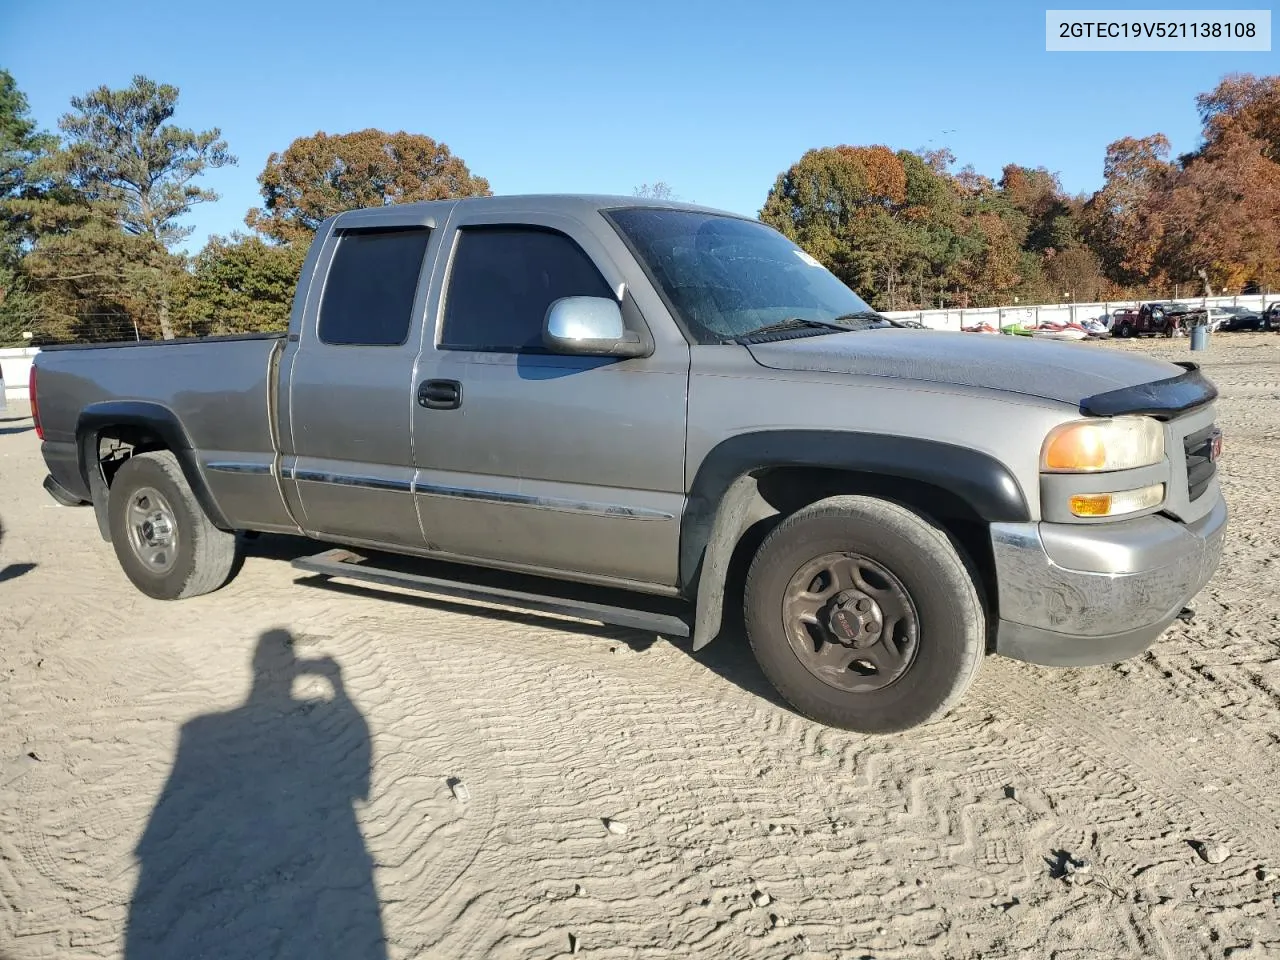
point(907, 229)
point(91, 217)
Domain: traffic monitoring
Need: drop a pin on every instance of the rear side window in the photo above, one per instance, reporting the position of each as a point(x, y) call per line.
point(503, 280)
point(368, 294)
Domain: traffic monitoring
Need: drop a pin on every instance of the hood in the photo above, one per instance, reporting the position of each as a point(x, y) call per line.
point(1067, 372)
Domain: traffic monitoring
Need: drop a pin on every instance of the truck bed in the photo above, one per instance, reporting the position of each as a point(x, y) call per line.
point(115, 344)
point(215, 388)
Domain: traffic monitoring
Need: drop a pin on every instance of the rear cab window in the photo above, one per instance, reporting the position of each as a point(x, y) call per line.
point(370, 287)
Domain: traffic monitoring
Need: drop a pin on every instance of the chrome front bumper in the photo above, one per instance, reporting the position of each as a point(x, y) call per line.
point(1080, 594)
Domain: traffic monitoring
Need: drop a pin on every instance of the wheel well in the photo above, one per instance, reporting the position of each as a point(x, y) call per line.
point(108, 434)
point(116, 444)
point(781, 491)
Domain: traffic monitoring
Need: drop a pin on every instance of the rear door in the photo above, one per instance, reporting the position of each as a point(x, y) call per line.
point(555, 463)
point(349, 378)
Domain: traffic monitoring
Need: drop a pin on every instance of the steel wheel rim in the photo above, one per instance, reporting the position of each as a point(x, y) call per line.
point(153, 530)
point(851, 622)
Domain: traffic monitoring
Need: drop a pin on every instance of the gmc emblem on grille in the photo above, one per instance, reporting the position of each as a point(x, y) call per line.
point(1215, 445)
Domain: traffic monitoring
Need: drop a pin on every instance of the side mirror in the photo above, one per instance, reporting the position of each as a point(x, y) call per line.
point(589, 327)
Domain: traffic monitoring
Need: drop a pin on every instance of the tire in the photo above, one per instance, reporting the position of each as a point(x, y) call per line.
point(165, 544)
point(915, 558)
point(1124, 330)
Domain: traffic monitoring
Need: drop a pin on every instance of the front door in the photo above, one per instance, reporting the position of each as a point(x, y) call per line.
point(570, 465)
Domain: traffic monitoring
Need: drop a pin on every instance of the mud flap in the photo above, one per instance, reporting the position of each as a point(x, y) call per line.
point(733, 512)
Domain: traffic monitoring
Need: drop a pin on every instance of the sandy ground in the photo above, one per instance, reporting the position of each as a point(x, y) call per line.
point(266, 771)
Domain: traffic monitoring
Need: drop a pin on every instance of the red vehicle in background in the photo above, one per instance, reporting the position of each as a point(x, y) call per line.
point(1157, 319)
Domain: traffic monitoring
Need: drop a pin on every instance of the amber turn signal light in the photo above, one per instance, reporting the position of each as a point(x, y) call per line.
point(1114, 504)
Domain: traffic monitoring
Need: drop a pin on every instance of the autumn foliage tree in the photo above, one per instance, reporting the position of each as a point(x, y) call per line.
point(1213, 213)
point(91, 223)
point(325, 174)
point(905, 231)
point(902, 230)
point(1122, 220)
point(1246, 103)
point(1221, 216)
point(877, 219)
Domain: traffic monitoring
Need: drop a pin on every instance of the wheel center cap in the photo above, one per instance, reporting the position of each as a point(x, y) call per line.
point(855, 619)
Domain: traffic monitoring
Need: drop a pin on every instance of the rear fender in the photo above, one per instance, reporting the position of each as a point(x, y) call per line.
point(156, 419)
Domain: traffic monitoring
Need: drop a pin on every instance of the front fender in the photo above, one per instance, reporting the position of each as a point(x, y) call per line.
point(724, 489)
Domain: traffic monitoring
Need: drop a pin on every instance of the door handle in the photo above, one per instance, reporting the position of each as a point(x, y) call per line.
point(440, 394)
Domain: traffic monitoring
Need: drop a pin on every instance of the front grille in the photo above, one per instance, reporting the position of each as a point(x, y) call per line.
point(1200, 465)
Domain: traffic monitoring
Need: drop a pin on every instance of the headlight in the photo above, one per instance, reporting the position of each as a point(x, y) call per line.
point(1091, 446)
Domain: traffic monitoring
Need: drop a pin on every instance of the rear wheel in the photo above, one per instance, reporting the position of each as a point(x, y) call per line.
point(1124, 330)
point(165, 544)
point(864, 616)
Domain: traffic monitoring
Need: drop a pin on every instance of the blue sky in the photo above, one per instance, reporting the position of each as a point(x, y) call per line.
point(715, 98)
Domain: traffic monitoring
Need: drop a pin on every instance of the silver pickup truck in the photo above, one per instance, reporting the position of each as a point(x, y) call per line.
point(681, 410)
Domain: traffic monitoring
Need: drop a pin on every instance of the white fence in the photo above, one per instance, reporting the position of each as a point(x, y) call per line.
point(1001, 317)
point(15, 367)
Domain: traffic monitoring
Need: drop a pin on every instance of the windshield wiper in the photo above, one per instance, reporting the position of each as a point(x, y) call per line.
point(788, 326)
point(863, 315)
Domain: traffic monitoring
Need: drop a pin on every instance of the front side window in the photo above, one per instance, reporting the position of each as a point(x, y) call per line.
point(368, 294)
point(502, 281)
point(726, 277)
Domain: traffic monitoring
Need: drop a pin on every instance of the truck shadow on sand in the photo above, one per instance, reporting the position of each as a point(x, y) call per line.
point(729, 656)
point(253, 848)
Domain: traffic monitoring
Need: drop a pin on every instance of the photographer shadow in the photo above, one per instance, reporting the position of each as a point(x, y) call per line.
point(253, 849)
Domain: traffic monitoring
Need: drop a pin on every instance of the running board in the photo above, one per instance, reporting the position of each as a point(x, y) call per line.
point(352, 566)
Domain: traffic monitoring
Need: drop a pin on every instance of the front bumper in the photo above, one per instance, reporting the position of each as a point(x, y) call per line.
point(1081, 594)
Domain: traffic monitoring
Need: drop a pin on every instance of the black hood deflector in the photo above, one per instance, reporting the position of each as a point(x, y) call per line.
point(1162, 399)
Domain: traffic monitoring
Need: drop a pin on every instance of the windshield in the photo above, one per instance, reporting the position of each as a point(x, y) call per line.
point(727, 278)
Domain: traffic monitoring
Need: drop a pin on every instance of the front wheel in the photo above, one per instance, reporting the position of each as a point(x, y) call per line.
point(864, 616)
point(162, 538)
